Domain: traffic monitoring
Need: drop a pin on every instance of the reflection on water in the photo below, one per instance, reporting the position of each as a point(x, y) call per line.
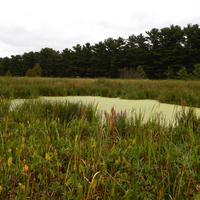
point(149, 108)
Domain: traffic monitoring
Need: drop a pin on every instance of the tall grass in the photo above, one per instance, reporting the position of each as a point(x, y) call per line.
point(166, 91)
point(70, 151)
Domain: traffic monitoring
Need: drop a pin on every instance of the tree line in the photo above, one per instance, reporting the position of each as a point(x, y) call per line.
point(162, 53)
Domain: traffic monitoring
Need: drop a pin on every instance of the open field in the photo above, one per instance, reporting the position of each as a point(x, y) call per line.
point(70, 151)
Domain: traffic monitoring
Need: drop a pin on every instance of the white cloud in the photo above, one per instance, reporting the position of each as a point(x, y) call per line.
point(31, 25)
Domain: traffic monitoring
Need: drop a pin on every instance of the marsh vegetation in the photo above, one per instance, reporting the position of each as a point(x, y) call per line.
point(71, 151)
point(177, 92)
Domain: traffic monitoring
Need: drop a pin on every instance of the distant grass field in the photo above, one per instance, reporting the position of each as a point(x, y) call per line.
point(166, 91)
point(69, 151)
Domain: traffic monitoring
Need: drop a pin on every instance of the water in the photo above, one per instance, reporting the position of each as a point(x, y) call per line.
point(149, 108)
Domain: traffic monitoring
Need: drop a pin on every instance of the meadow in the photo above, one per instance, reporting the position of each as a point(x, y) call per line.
point(165, 91)
point(71, 151)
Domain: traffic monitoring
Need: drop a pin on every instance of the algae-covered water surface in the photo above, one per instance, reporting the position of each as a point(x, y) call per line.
point(149, 109)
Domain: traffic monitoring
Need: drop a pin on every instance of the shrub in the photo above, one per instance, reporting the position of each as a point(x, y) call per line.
point(129, 73)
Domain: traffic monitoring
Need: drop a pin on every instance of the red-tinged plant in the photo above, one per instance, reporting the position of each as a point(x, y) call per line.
point(83, 113)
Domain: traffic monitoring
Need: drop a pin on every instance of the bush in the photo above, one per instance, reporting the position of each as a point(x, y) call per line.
point(129, 73)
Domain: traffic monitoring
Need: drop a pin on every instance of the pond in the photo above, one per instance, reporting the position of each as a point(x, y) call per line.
point(148, 108)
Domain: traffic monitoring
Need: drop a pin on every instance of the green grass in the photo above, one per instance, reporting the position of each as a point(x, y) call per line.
point(70, 151)
point(165, 91)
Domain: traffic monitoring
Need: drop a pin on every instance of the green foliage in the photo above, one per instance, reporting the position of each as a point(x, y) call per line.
point(169, 73)
point(129, 73)
point(182, 74)
point(172, 47)
point(30, 73)
point(141, 72)
point(166, 91)
point(196, 71)
point(132, 73)
point(64, 151)
point(37, 70)
point(49, 61)
point(8, 73)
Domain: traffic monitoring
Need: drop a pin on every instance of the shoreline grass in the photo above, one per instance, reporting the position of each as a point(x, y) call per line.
point(66, 151)
point(165, 91)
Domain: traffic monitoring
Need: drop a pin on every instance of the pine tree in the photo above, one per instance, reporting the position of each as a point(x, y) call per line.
point(30, 73)
point(8, 73)
point(141, 72)
point(37, 70)
point(182, 74)
point(169, 73)
point(196, 71)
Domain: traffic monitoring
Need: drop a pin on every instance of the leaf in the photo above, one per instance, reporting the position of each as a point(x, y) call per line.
point(102, 181)
point(23, 140)
point(40, 176)
point(69, 181)
point(80, 187)
point(4, 165)
point(25, 168)
point(81, 168)
point(118, 161)
point(124, 160)
point(10, 150)
point(133, 142)
point(150, 179)
point(47, 157)
point(94, 144)
point(50, 153)
point(113, 191)
point(59, 164)
point(32, 167)
point(21, 186)
point(94, 184)
point(128, 165)
point(56, 154)
point(48, 139)
point(51, 172)
point(61, 175)
point(9, 161)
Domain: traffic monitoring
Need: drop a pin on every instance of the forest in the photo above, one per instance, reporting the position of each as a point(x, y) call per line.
point(163, 53)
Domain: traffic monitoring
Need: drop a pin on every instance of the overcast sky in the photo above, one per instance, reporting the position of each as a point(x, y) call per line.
point(30, 25)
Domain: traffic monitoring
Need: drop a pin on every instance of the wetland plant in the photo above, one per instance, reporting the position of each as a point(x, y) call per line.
point(65, 150)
